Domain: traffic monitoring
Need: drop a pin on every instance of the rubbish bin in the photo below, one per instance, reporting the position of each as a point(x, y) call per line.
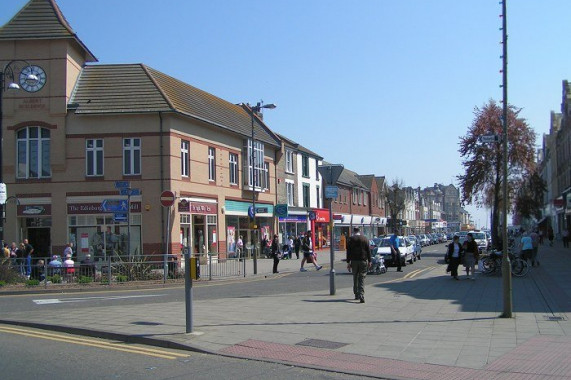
point(194, 268)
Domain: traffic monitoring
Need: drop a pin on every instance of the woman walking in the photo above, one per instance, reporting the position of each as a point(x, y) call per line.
point(455, 252)
point(470, 256)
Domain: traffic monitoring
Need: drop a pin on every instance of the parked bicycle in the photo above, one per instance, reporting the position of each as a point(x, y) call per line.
point(493, 263)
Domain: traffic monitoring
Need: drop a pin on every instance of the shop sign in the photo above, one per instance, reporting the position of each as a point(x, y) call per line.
point(94, 208)
point(184, 206)
point(293, 219)
point(203, 208)
point(281, 210)
point(34, 210)
point(322, 216)
point(559, 203)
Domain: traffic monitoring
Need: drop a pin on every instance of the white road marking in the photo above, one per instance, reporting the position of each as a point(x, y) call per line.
point(51, 301)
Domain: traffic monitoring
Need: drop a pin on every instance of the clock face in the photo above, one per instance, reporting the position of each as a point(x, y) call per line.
point(32, 85)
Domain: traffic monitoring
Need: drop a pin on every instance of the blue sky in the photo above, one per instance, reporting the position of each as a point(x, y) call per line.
point(382, 87)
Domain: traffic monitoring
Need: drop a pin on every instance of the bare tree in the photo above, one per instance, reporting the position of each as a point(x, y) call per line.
point(395, 201)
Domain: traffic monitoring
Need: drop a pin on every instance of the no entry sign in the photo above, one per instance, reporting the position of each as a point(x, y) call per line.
point(167, 198)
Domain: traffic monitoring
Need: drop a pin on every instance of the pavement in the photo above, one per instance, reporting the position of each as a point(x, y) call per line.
point(423, 325)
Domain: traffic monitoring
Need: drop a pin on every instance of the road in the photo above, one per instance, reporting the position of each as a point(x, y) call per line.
point(204, 290)
point(35, 354)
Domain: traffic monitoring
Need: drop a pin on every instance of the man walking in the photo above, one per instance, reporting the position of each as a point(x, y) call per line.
point(395, 242)
point(358, 261)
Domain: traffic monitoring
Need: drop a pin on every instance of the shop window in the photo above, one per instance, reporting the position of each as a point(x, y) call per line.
point(33, 153)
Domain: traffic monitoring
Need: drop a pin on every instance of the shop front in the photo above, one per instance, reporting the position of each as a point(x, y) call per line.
point(365, 223)
point(199, 225)
point(239, 225)
point(34, 222)
point(103, 234)
point(341, 227)
point(320, 227)
point(379, 226)
point(292, 225)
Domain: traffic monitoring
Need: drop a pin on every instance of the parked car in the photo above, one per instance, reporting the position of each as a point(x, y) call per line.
point(424, 240)
point(417, 246)
point(405, 247)
point(374, 245)
point(433, 238)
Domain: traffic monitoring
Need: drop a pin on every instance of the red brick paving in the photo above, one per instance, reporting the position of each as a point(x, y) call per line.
point(542, 357)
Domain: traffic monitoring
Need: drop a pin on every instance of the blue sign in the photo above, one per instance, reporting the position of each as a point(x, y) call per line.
point(281, 210)
point(331, 192)
point(115, 205)
point(251, 212)
point(127, 191)
point(312, 215)
point(120, 217)
point(122, 184)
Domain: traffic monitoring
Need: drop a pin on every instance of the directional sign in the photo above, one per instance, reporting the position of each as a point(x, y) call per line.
point(331, 192)
point(122, 184)
point(261, 210)
point(492, 138)
point(120, 217)
point(330, 173)
point(281, 210)
point(167, 198)
point(131, 192)
point(115, 205)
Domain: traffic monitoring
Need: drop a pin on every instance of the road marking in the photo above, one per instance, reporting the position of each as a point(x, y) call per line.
point(418, 271)
point(51, 301)
point(93, 343)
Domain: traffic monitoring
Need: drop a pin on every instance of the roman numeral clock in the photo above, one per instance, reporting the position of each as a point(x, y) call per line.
point(32, 85)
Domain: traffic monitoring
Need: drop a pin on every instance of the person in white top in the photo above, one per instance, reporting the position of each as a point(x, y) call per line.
point(455, 252)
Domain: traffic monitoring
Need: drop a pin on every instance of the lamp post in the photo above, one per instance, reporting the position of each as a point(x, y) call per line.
point(254, 110)
point(8, 73)
point(506, 265)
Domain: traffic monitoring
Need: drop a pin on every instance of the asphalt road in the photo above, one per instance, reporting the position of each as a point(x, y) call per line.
point(204, 290)
point(36, 354)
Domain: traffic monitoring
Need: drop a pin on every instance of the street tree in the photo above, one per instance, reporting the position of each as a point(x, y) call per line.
point(395, 201)
point(529, 198)
point(481, 183)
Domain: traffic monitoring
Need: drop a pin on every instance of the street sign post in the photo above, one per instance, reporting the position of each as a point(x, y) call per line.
point(129, 192)
point(167, 198)
point(122, 184)
point(487, 139)
point(331, 174)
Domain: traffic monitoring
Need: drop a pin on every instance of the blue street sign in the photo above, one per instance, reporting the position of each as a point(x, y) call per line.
point(115, 205)
point(127, 191)
point(251, 211)
point(261, 210)
point(281, 210)
point(312, 215)
point(122, 184)
point(120, 217)
point(331, 192)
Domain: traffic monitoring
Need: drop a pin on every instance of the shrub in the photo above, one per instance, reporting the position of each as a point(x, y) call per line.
point(121, 278)
point(2, 283)
point(85, 280)
point(32, 282)
point(9, 275)
point(55, 279)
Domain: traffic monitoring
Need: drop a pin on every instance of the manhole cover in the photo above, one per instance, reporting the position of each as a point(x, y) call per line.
point(143, 323)
point(318, 343)
point(554, 318)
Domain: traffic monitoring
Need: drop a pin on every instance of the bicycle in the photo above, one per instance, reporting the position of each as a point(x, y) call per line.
point(493, 263)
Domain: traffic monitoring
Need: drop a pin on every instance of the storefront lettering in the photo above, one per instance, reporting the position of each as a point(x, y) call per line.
point(95, 208)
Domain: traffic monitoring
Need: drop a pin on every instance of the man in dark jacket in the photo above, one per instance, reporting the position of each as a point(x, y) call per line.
point(358, 261)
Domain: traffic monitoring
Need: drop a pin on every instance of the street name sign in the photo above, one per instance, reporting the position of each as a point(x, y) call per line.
point(122, 184)
point(115, 205)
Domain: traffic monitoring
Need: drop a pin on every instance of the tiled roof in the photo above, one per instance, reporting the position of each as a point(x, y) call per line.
point(136, 88)
point(41, 19)
point(298, 146)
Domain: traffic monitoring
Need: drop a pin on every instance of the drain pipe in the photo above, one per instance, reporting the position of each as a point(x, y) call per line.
point(161, 148)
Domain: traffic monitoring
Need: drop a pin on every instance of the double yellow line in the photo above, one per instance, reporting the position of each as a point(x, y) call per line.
point(415, 273)
point(92, 343)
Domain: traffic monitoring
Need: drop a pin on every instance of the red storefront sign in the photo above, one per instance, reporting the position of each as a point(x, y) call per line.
point(34, 210)
point(321, 216)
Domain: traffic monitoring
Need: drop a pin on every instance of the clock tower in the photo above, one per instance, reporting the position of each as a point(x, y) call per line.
point(37, 42)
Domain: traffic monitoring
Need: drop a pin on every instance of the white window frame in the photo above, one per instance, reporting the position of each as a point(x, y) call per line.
point(40, 146)
point(233, 168)
point(132, 153)
point(211, 164)
point(185, 158)
point(255, 169)
point(94, 152)
point(290, 192)
point(289, 161)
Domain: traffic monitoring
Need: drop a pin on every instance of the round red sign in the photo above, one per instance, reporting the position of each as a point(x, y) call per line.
point(167, 198)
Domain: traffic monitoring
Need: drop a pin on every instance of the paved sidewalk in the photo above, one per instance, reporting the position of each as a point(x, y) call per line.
point(426, 327)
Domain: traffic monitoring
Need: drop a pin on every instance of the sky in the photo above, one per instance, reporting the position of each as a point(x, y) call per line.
point(383, 87)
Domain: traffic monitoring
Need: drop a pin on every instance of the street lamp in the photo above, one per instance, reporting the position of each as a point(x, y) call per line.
point(8, 73)
point(254, 110)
